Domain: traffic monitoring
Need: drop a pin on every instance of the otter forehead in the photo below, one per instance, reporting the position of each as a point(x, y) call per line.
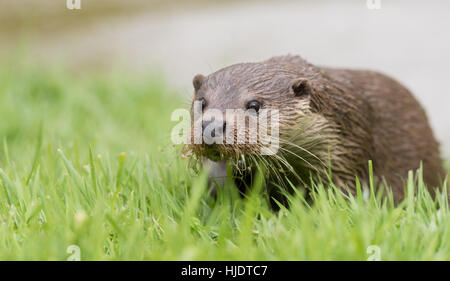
point(258, 77)
point(232, 86)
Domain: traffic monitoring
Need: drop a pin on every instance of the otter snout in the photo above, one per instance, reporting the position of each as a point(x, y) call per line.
point(213, 131)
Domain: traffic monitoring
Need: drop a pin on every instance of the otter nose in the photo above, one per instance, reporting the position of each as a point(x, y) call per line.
point(212, 129)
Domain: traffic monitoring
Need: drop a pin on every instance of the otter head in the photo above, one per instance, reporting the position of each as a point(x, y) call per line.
point(248, 109)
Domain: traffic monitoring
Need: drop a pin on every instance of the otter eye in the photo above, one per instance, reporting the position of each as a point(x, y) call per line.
point(203, 101)
point(255, 105)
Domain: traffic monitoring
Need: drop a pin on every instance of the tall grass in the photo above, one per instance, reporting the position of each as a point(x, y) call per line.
point(86, 160)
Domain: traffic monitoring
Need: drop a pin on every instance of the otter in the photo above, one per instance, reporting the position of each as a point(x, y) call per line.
point(332, 123)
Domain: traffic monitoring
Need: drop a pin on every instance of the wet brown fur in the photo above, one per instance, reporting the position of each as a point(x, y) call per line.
point(347, 118)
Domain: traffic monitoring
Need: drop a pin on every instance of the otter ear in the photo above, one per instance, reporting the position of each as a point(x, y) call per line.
point(198, 81)
point(301, 87)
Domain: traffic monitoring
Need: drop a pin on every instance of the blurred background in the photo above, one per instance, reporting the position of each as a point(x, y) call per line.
point(408, 40)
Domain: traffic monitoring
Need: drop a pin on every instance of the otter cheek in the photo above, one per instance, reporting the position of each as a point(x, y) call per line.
point(196, 132)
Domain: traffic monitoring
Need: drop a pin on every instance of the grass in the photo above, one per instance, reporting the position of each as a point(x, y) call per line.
point(86, 160)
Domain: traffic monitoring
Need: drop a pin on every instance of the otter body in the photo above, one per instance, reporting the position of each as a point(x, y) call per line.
point(329, 120)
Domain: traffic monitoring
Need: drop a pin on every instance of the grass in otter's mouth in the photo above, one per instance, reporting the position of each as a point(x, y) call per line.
point(64, 181)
